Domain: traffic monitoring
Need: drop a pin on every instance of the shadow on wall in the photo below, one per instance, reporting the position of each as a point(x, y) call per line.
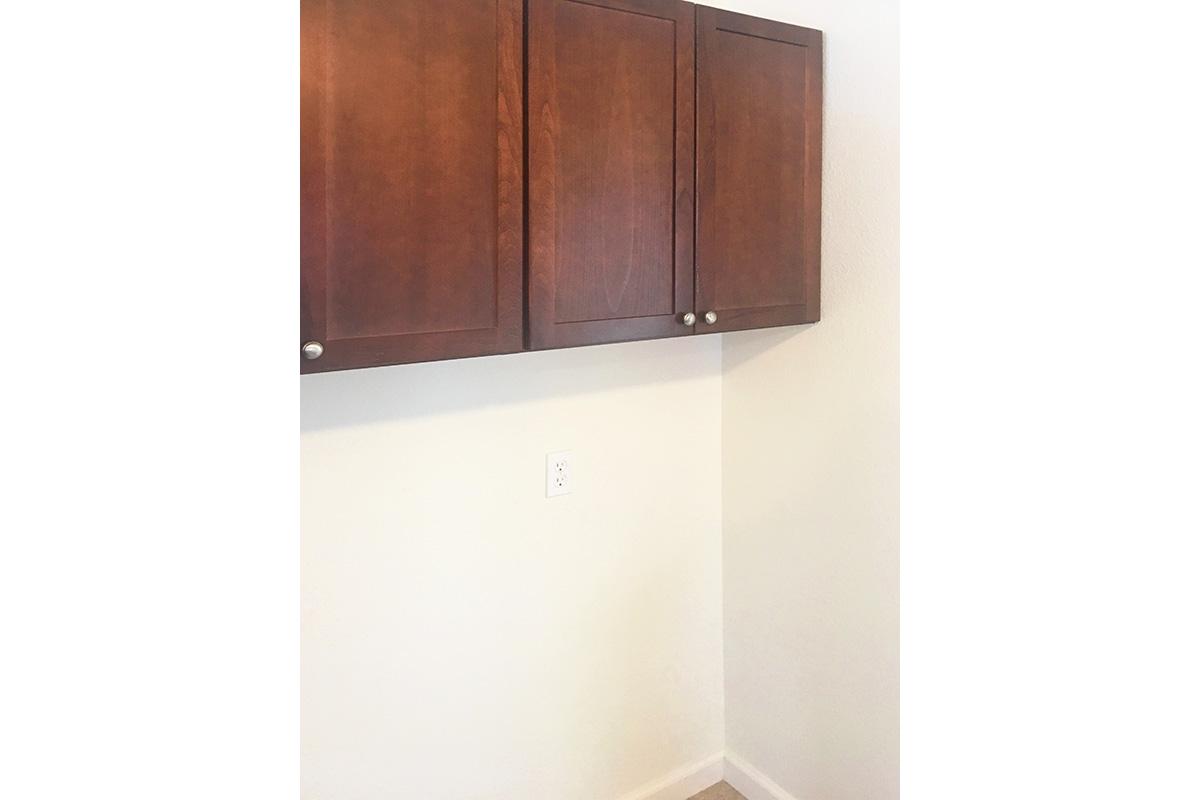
point(359, 397)
point(751, 344)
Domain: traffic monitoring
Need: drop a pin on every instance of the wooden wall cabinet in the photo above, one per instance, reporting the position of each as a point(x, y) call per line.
point(758, 166)
point(412, 183)
point(487, 176)
point(611, 170)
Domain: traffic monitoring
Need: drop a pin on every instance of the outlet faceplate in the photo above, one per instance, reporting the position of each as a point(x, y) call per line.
point(558, 473)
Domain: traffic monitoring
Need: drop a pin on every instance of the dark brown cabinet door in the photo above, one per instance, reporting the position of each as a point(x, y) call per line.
point(758, 249)
point(611, 127)
point(411, 180)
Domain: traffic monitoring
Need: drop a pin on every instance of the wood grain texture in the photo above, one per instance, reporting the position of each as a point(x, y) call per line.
point(611, 170)
point(411, 180)
point(758, 222)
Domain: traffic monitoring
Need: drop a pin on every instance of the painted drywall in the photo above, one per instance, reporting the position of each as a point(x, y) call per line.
point(465, 637)
point(811, 458)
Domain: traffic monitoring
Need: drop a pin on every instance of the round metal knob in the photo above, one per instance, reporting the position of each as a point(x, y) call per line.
point(711, 318)
point(689, 319)
point(313, 350)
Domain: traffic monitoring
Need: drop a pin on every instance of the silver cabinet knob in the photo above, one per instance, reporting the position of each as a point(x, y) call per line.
point(711, 318)
point(313, 350)
point(689, 319)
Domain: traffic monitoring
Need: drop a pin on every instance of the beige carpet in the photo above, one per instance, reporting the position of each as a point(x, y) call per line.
point(722, 791)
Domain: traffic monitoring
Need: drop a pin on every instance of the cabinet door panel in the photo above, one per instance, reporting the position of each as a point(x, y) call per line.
point(411, 180)
point(759, 171)
point(611, 148)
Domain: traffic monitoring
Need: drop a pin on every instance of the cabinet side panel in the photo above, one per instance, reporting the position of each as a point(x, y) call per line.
point(313, 23)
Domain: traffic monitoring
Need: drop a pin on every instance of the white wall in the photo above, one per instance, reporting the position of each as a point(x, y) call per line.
point(811, 457)
point(463, 636)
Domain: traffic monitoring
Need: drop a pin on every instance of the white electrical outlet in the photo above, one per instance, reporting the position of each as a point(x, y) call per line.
point(558, 474)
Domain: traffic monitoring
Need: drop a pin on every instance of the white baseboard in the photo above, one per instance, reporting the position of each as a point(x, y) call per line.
point(750, 782)
point(683, 782)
